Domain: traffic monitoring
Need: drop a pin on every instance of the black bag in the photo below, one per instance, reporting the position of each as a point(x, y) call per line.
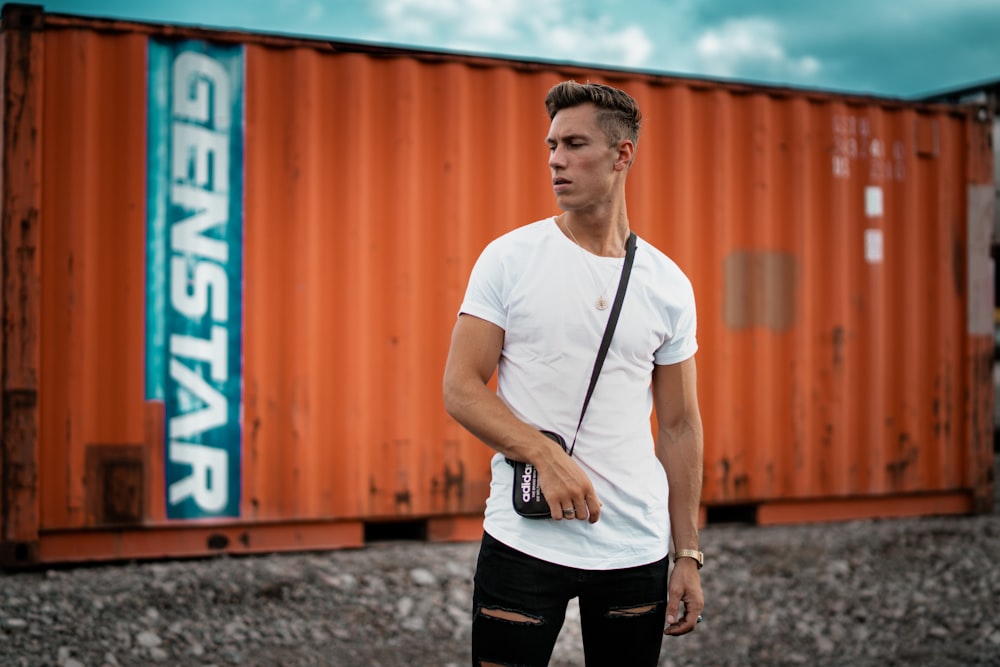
point(528, 499)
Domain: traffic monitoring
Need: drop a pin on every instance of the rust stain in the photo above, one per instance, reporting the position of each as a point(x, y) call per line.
point(724, 464)
point(734, 486)
point(839, 338)
point(19, 466)
point(454, 482)
point(403, 499)
point(898, 468)
point(450, 485)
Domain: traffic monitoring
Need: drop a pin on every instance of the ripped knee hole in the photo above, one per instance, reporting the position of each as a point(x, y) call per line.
point(510, 616)
point(632, 611)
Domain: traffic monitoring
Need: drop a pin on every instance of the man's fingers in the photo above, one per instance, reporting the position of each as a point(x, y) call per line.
point(672, 613)
point(572, 494)
point(682, 619)
point(587, 509)
point(682, 627)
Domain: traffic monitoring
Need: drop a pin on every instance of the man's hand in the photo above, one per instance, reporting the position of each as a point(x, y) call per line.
point(684, 586)
point(566, 488)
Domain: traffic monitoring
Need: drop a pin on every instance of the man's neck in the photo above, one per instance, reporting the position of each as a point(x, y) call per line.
point(597, 233)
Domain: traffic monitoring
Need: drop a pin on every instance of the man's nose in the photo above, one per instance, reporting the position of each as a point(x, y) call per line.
point(556, 157)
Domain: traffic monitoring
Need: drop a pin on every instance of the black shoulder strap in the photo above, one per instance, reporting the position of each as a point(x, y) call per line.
point(609, 331)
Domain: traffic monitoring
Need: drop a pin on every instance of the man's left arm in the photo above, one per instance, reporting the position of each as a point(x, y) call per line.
point(679, 447)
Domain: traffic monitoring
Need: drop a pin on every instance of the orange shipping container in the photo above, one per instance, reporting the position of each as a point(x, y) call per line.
point(838, 245)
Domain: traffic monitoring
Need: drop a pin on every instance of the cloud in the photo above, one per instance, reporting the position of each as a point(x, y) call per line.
point(628, 46)
point(750, 48)
point(880, 46)
point(548, 29)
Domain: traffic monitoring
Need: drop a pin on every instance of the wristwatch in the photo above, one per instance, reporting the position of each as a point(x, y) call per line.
point(698, 556)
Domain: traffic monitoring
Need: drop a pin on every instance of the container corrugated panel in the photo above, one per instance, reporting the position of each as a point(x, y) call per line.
point(835, 244)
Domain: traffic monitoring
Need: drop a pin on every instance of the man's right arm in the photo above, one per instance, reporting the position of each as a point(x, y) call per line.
point(475, 350)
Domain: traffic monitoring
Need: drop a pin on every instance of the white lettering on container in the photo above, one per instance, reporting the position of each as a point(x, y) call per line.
point(199, 284)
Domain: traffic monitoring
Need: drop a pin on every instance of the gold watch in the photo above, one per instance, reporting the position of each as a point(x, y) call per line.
point(698, 556)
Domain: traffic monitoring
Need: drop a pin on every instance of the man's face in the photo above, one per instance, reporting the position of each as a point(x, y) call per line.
point(582, 163)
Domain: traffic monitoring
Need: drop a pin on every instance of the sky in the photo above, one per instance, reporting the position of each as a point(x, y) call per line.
point(891, 48)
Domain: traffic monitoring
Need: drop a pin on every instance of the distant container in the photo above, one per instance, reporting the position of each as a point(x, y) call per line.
point(231, 264)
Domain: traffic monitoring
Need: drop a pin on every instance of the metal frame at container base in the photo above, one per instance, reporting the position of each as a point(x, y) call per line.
point(850, 509)
point(217, 538)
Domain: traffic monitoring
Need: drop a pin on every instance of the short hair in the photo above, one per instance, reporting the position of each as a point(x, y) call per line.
point(618, 113)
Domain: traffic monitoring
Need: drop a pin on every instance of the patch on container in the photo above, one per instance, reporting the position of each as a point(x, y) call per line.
point(873, 201)
point(873, 246)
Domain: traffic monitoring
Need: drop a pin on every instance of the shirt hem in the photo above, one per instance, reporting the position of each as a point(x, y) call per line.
point(557, 557)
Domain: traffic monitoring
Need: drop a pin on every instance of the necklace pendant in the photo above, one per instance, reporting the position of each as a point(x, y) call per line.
point(601, 303)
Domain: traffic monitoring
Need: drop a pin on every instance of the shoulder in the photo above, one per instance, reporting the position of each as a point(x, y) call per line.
point(660, 267)
point(519, 244)
point(529, 234)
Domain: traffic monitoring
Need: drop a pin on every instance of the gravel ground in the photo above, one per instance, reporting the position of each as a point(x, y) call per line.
point(864, 593)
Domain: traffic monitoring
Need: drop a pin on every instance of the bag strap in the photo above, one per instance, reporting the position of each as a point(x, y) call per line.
point(609, 331)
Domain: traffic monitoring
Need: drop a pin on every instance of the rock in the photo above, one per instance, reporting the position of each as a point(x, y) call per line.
point(405, 606)
point(422, 577)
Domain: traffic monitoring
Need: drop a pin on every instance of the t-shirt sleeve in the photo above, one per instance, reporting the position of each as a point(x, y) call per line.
point(484, 296)
point(683, 342)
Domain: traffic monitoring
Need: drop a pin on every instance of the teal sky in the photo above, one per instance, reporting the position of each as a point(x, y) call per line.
point(897, 48)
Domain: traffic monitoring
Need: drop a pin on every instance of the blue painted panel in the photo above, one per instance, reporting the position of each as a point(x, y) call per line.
point(194, 276)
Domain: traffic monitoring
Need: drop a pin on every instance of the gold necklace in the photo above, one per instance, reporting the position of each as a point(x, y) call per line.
point(601, 303)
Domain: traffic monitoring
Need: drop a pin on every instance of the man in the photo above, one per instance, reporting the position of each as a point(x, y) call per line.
point(535, 311)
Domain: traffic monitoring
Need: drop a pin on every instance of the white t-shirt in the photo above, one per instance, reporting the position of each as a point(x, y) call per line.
point(536, 285)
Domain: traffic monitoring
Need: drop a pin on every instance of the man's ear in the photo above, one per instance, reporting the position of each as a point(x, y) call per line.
point(626, 155)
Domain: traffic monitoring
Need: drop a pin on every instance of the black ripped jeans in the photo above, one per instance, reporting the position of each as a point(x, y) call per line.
point(622, 612)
